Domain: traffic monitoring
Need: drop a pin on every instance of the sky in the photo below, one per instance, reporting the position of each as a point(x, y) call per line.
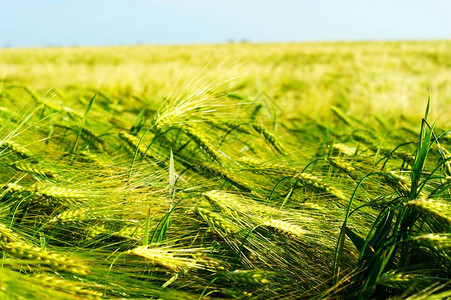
point(40, 23)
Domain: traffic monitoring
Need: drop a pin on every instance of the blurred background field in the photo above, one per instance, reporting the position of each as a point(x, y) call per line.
point(389, 79)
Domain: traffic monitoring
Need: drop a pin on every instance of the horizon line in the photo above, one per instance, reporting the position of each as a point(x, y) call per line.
point(230, 42)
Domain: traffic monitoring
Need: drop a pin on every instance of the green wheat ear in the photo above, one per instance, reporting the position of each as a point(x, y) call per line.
point(54, 260)
point(269, 138)
point(15, 148)
point(248, 276)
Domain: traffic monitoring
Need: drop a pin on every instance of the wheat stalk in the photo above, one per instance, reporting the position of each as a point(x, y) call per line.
point(226, 125)
point(203, 143)
point(67, 286)
point(130, 232)
point(71, 215)
point(57, 261)
point(15, 148)
point(224, 174)
point(33, 169)
point(96, 230)
point(316, 183)
point(285, 228)
point(398, 183)
point(435, 208)
point(343, 166)
point(398, 280)
point(216, 220)
point(260, 167)
point(440, 243)
point(16, 188)
point(59, 194)
point(164, 257)
point(220, 199)
point(210, 263)
point(133, 142)
point(269, 138)
point(248, 277)
point(7, 235)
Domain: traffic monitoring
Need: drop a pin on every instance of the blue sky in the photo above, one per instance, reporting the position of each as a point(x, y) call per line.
point(35, 23)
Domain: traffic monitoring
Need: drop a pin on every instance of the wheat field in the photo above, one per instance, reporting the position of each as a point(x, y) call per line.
point(242, 171)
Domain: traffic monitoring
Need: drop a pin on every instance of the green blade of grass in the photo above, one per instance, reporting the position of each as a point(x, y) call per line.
point(88, 108)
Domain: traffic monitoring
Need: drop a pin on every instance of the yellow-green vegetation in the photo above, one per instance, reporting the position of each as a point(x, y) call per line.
point(237, 171)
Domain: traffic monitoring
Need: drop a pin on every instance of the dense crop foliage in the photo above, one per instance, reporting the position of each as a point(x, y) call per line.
point(313, 171)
